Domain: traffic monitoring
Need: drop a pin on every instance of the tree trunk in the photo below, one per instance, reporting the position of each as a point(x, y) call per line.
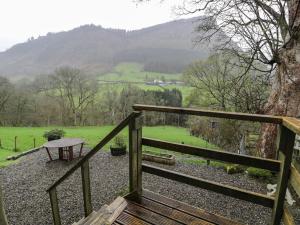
point(3, 220)
point(284, 99)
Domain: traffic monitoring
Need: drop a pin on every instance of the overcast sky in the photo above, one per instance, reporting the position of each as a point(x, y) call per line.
point(21, 19)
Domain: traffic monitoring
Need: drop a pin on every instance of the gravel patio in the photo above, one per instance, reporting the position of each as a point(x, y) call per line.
point(27, 203)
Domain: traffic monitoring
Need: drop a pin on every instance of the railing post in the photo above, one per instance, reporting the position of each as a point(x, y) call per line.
point(86, 188)
point(285, 152)
point(54, 206)
point(135, 157)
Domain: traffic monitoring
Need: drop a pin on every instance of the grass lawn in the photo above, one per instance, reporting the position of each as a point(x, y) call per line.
point(91, 135)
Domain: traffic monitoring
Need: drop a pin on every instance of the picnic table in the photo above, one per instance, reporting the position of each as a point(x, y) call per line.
point(65, 147)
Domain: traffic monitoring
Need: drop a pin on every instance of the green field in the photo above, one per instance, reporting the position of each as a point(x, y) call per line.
point(91, 135)
point(133, 72)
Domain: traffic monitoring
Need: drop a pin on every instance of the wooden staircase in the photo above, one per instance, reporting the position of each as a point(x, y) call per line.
point(106, 215)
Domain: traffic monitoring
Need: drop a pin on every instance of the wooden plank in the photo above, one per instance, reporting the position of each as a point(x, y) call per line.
point(212, 186)
point(292, 123)
point(295, 179)
point(148, 216)
point(86, 188)
point(54, 207)
point(269, 164)
point(172, 213)
point(127, 219)
point(188, 209)
point(116, 208)
point(210, 113)
point(135, 157)
point(98, 147)
point(288, 219)
point(286, 147)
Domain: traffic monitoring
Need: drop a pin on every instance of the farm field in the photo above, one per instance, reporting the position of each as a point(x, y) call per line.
point(133, 73)
point(91, 135)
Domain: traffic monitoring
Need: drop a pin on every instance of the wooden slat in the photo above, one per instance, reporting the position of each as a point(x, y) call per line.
point(292, 123)
point(295, 179)
point(273, 165)
point(188, 209)
point(210, 185)
point(148, 216)
point(286, 147)
point(172, 213)
point(210, 113)
point(127, 219)
point(287, 217)
point(98, 147)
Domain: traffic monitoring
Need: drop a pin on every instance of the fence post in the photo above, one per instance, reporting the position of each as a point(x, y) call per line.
point(285, 152)
point(135, 157)
point(86, 188)
point(15, 143)
point(54, 206)
point(0, 143)
point(34, 143)
point(3, 219)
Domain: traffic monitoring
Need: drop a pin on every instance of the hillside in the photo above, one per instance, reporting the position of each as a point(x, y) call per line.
point(166, 48)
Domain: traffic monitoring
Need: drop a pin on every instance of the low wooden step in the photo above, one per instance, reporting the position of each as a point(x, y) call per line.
point(106, 215)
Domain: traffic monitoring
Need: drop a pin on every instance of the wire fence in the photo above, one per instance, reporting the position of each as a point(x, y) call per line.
point(20, 143)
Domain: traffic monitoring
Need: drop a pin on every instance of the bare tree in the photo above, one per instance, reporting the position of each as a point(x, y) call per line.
point(6, 90)
point(75, 91)
point(221, 83)
point(259, 31)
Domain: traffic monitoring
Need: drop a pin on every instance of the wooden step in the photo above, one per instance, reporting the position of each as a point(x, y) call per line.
point(106, 215)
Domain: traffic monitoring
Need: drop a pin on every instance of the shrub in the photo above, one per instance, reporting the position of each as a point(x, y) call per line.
point(258, 173)
point(233, 168)
point(54, 134)
point(119, 141)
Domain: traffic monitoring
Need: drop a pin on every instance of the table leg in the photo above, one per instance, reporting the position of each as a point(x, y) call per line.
point(61, 153)
point(49, 154)
point(81, 147)
point(71, 153)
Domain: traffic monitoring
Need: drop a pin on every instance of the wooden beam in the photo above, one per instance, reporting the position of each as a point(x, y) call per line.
point(292, 123)
point(286, 147)
point(212, 186)
point(135, 157)
point(86, 188)
point(210, 113)
point(268, 164)
point(288, 219)
point(295, 179)
point(54, 206)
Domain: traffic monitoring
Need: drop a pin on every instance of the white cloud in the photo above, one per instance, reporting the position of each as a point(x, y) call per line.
point(20, 19)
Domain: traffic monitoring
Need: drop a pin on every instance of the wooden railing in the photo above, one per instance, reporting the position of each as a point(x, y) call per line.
point(287, 129)
point(84, 165)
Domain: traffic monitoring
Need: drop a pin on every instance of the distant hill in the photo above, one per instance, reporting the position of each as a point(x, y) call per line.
point(165, 48)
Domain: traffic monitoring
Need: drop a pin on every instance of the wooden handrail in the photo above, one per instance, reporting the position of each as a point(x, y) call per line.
point(101, 144)
point(211, 113)
point(268, 164)
point(292, 123)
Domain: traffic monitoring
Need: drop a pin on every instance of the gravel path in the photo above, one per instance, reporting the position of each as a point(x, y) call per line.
point(27, 203)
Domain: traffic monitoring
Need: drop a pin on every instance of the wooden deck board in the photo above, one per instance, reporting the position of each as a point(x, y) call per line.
point(199, 213)
point(155, 209)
